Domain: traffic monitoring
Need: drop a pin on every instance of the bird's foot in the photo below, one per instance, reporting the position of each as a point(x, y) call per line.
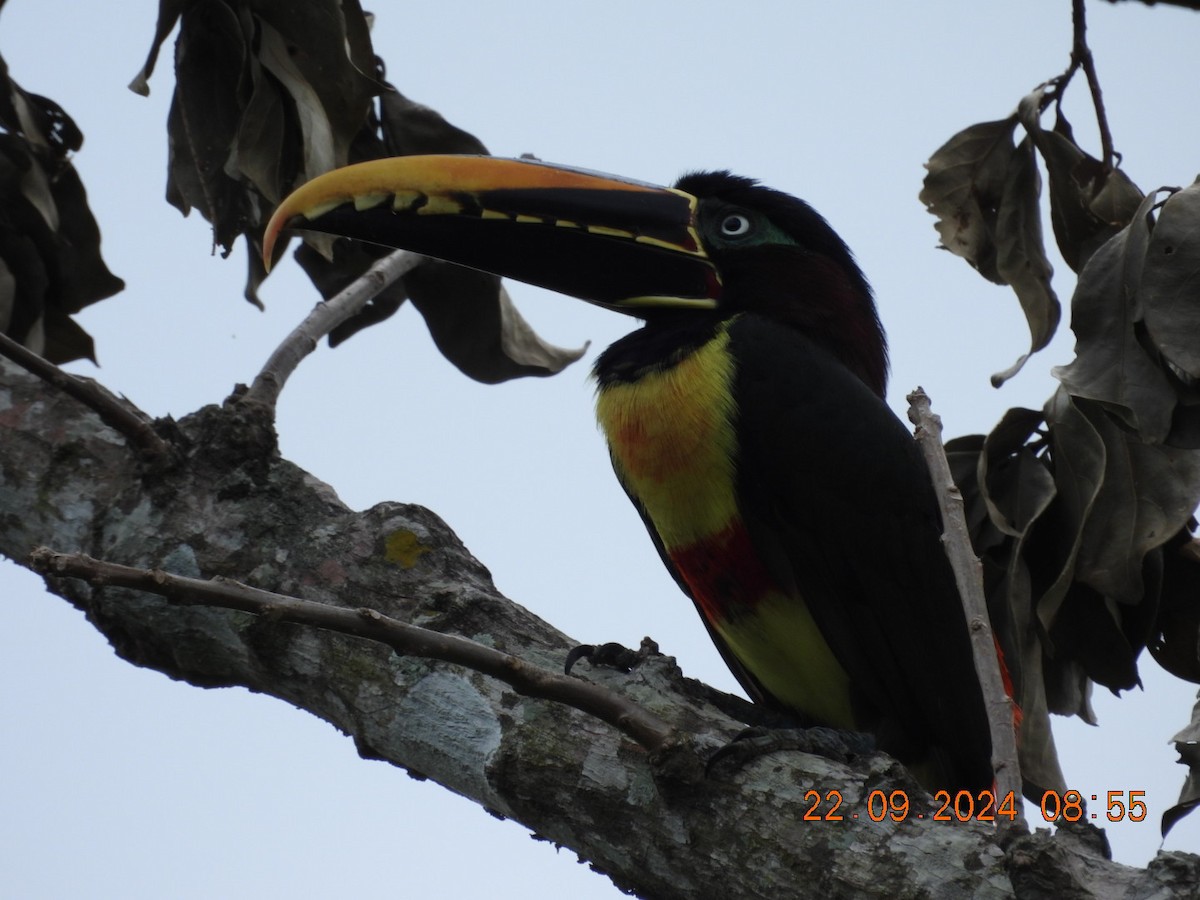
point(611, 655)
point(840, 746)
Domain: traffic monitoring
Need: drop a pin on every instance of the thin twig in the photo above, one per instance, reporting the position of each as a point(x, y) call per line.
point(1081, 58)
point(119, 416)
point(321, 321)
point(525, 678)
point(968, 574)
point(1183, 4)
point(1081, 55)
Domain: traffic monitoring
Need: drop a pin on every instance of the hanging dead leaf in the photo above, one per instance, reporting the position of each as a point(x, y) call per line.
point(1119, 501)
point(469, 314)
point(204, 119)
point(1111, 366)
point(1016, 487)
point(409, 128)
point(1078, 465)
point(168, 15)
point(963, 187)
point(1014, 484)
point(268, 96)
point(1175, 643)
point(963, 455)
point(50, 262)
point(1169, 291)
point(1148, 494)
point(1187, 743)
point(984, 193)
point(1089, 201)
point(1021, 256)
point(475, 325)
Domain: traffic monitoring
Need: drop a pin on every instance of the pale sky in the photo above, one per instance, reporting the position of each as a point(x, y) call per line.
point(121, 783)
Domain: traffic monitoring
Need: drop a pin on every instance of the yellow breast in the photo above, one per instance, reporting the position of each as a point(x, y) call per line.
point(671, 434)
point(673, 443)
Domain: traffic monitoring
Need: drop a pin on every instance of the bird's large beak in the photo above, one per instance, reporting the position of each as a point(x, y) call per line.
point(620, 244)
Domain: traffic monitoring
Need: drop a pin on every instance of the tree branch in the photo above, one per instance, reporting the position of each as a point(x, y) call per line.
point(968, 573)
point(325, 317)
point(233, 508)
point(408, 640)
point(116, 414)
point(1183, 4)
point(1081, 55)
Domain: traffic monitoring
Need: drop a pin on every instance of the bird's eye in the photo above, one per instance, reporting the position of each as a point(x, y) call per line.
point(735, 225)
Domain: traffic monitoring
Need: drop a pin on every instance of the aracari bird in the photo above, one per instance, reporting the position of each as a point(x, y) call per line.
point(745, 419)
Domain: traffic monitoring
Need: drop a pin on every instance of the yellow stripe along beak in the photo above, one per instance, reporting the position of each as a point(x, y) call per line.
point(621, 244)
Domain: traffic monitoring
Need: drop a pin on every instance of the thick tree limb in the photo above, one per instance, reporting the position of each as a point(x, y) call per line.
point(232, 508)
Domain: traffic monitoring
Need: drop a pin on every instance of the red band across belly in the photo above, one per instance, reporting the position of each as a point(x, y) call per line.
point(723, 572)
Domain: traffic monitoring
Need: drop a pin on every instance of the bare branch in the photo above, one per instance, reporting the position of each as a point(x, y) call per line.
point(968, 573)
point(408, 640)
point(114, 413)
point(327, 315)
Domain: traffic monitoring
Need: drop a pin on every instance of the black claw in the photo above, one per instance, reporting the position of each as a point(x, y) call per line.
point(749, 745)
point(612, 655)
point(578, 653)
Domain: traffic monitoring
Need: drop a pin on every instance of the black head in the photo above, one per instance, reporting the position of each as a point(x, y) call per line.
point(779, 258)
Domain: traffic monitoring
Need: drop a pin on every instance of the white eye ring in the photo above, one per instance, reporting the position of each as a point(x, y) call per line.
point(735, 225)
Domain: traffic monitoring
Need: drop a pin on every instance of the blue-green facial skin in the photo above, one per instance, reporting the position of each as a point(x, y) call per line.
point(725, 226)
